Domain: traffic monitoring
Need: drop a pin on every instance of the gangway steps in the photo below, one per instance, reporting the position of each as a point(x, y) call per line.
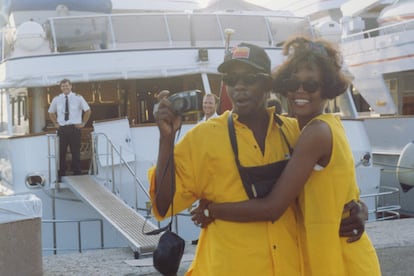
point(126, 220)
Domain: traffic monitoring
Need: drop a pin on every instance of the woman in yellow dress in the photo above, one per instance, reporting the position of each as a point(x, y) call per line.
point(320, 175)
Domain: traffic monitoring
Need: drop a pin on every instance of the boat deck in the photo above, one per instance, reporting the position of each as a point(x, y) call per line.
point(394, 241)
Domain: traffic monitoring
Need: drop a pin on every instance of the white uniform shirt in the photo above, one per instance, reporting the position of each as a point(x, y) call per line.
point(205, 119)
point(77, 104)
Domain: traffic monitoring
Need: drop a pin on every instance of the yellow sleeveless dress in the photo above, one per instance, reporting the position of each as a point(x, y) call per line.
point(320, 211)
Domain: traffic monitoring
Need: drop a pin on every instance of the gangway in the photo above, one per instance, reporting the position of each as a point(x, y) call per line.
point(122, 217)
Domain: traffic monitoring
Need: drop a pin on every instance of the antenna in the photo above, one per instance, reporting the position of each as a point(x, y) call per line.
point(224, 101)
point(228, 32)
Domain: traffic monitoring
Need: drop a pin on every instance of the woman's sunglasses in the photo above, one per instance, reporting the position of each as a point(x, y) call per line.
point(293, 85)
point(248, 79)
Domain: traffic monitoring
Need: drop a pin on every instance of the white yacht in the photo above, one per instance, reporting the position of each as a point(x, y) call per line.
point(117, 61)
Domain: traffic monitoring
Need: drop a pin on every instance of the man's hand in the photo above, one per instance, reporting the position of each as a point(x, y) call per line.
point(198, 216)
point(354, 226)
point(168, 122)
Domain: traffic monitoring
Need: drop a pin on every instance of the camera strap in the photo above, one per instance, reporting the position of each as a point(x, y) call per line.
point(168, 227)
point(169, 251)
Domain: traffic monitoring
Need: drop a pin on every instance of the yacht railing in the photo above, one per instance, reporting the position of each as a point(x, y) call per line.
point(52, 157)
point(383, 209)
point(79, 233)
point(53, 162)
point(160, 30)
point(114, 159)
point(402, 26)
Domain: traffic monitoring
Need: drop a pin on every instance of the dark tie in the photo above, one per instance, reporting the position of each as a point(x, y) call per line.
point(66, 109)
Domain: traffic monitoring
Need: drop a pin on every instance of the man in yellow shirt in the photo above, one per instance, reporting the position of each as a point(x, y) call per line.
point(203, 166)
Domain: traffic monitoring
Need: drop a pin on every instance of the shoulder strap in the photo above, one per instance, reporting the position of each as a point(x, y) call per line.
point(244, 176)
point(233, 140)
point(247, 184)
point(280, 123)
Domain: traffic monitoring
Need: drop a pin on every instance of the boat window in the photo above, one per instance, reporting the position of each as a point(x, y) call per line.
point(180, 30)
point(80, 33)
point(20, 120)
point(205, 31)
point(3, 113)
point(133, 29)
point(254, 30)
point(130, 31)
point(401, 88)
point(16, 106)
point(283, 28)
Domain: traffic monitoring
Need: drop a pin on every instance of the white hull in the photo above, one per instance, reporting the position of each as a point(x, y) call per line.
point(386, 148)
point(381, 61)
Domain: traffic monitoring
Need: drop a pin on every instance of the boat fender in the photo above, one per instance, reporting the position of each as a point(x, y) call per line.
point(405, 167)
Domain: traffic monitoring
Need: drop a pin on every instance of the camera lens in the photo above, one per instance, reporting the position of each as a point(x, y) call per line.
point(179, 104)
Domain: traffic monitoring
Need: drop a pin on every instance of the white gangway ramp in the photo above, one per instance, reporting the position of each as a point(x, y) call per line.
point(127, 221)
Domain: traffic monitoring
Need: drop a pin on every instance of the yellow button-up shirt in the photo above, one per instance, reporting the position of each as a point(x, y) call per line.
point(206, 168)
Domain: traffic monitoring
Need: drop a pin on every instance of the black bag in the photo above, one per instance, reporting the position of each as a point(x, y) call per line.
point(167, 256)
point(170, 248)
point(259, 180)
point(169, 252)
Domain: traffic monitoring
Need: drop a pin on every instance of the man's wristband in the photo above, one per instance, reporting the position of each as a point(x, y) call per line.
point(207, 212)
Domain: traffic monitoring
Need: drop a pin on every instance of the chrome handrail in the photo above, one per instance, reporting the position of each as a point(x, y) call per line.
point(379, 210)
point(110, 156)
point(79, 224)
point(52, 141)
point(112, 151)
point(369, 33)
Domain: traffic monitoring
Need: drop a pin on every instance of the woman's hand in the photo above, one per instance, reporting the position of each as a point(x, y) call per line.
point(199, 214)
point(354, 226)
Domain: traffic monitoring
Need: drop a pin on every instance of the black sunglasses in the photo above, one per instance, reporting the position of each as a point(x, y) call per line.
point(248, 79)
point(293, 85)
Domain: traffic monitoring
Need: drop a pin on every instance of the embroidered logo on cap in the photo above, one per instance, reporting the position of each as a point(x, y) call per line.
point(240, 52)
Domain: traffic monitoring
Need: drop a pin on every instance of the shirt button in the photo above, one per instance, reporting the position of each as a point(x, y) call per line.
point(274, 247)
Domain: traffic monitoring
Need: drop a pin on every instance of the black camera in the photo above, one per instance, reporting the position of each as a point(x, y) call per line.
point(186, 102)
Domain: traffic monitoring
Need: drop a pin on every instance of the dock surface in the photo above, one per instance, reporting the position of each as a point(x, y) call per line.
point(393, 239)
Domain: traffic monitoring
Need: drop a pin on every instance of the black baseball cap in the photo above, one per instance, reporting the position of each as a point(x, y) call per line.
point(249, 54)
